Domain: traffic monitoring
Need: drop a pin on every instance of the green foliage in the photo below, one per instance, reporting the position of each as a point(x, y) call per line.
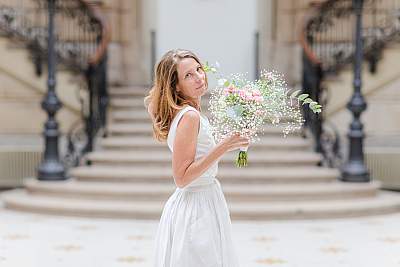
point(304, 99)
point(241, 160)
point(208, 68)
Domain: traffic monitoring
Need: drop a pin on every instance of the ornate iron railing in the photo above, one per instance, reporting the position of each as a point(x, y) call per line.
point(327, 40)
point(81, 39)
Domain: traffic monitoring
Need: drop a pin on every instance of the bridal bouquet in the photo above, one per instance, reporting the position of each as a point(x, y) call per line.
point(239, 105)
point(236, 106)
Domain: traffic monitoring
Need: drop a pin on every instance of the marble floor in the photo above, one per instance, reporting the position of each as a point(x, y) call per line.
point(32, 240)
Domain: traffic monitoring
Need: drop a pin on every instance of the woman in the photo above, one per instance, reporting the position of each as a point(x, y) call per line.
point(195, 225)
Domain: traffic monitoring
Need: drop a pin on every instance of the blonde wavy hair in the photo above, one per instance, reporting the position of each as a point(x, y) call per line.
point(163, 100)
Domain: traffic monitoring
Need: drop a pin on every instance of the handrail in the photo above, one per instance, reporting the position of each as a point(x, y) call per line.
point(82, 38)
point(26, 13)
point(380, 26)
point(106, 31)
point(327, 43)
point(319, 12)
point(313, 73)
point(315, 7)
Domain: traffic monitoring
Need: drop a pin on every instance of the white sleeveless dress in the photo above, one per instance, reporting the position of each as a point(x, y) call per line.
point(195, 226)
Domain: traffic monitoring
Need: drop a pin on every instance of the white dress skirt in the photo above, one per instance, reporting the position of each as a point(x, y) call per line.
point(195, 225)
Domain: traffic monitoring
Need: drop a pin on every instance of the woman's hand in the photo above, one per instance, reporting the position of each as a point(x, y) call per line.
point(234, 142)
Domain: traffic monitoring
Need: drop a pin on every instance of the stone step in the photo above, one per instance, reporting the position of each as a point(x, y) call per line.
point(137, 116)
point(134, 91)
point(137, 104)
point(291, 159)
point(145, 129)
point(227, 175)
point(73, 188)
point(148, 143)
point(129, 91)
point(140, 115)
point(130, 104)
point(129, 116)
point(384, 202)
point(133, 110)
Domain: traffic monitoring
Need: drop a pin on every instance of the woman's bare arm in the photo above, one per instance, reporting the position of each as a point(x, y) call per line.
point(185, 168)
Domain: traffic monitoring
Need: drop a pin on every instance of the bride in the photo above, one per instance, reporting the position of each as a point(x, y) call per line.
point(195, 226)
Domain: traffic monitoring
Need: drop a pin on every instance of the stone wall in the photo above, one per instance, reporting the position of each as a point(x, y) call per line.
point(280, 25)
point(133, 20)
point(129, 51)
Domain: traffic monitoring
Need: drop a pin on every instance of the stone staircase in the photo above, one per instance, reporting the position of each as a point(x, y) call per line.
point(130, 176)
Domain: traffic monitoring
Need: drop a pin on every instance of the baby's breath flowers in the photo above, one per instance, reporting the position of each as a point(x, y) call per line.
point(240, 105)
point(236, 106)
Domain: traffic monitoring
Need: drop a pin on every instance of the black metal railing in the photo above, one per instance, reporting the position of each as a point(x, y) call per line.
point(328, 42)
point(81, 37)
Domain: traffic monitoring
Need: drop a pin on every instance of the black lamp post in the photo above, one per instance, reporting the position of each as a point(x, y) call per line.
point(51, 168)
point(354, 169)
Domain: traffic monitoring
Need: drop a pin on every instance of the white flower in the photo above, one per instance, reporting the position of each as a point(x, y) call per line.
point(234, 112)
point(260, 101)
point(221, 82)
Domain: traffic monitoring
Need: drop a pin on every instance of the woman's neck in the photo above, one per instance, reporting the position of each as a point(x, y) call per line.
point(196, 102)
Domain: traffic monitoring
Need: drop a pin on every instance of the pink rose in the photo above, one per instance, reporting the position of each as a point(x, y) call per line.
point(256, 93)
point(227, 91)
point(249, 98)
point(258, 99)
point(247, 87)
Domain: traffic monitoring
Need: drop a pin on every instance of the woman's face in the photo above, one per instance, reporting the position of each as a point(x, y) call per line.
point(191, 78)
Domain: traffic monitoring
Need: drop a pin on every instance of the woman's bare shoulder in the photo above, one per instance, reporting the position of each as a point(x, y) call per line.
point(190, 121)
point(190, 116)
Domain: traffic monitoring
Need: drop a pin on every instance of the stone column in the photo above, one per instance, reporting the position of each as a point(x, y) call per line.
point(279, 24)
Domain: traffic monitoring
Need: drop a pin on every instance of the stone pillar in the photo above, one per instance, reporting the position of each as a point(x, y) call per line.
point(280, 22)
point(128, 50)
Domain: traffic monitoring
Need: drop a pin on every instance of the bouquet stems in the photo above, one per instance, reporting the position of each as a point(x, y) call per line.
point(241, 160)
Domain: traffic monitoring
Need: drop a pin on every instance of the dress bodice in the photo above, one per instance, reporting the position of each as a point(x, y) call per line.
point(205, 142)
